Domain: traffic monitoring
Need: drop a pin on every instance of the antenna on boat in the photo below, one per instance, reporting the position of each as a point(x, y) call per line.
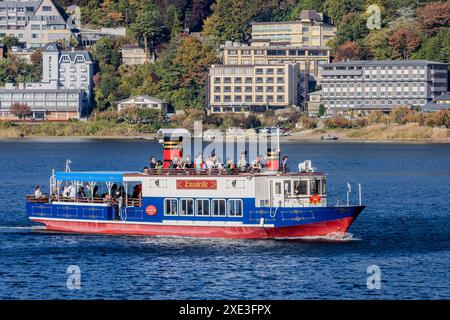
point(68, 162)
point(349, 189)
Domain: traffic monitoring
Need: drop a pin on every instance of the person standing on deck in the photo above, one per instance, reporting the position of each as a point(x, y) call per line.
point(152, 162)
point(38, 192)
point(284, 165)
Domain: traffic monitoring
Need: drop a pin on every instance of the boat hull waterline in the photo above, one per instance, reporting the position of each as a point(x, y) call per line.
point(322, 228)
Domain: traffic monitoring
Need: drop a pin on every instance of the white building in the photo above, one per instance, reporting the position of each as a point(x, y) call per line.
point(34, 22)
point(381, 84)
point(143, 102)
point(65, 91)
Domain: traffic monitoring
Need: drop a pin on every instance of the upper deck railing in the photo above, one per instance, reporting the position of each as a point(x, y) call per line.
point(219, 172)
point(129, 202)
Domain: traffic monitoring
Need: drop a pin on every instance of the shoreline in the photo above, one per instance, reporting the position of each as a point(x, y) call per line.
point(286, 139)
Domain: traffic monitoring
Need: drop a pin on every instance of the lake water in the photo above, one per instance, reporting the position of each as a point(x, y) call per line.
point(405, 230)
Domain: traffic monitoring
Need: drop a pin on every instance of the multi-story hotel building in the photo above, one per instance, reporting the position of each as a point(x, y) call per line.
point(65, 91)
point(244, 88)
point(308, 58)
point(381, 85)
point(34, 22)
point(309, 30)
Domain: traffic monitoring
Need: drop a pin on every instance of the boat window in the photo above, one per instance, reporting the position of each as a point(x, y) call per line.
point(202, 207)
point(300, 187)
point(186, 207)
point(170, 207)
point(218, 207)
point(314, 189)
point(287, 187)
point(277, 187)
point(235, 208)
point(324, 186)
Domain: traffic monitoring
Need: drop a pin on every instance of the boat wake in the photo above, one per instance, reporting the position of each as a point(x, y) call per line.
point(8, 229)
point(332, 237)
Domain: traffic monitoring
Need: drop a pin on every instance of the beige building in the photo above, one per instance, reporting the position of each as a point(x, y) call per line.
point(143, 102)
point(308, 58)
point(244, 88)
point(314, 102)
point(34, 22)
point(309, 30)
point(133, 55)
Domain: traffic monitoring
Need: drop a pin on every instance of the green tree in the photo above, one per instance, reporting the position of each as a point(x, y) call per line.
point(435, 48)
point(231, 19)
point(172, 20)
point(10, 41)
point(337, 9)
point(148, 28)
point(322, 110)
point(106, 52)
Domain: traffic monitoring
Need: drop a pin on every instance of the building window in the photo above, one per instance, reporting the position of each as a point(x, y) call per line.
point(235, 208)
point(202, 207)
point(218, 208)
point(170, 207)
point(186, 207)
point(46, 8)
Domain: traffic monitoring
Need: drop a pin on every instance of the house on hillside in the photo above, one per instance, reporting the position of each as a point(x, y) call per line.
point(143, 102)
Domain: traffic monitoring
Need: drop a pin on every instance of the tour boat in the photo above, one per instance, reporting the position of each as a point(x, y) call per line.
point(208, 203)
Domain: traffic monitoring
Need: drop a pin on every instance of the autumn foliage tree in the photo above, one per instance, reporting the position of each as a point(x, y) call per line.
point(20, 110)
point(434, 17)
point(404, 41)
point(350, 51)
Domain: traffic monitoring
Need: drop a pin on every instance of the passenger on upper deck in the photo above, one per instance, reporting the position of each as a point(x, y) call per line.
point(81, 193)
point(230, 166)
point(256, 165)
point(145, 171)
point(188, 163)
point(38, 192)
point(199, 162)
point(152, 162)
point(159, 165)
point(284, 165)
point(88, 191)
point(95, 192)
point(242, 163)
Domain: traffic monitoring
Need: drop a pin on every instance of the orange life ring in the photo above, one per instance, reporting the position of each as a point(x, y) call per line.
point(151, 210)
point(314, 199)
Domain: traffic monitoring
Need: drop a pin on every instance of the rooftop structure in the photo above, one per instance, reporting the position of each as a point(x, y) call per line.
point(309, 30)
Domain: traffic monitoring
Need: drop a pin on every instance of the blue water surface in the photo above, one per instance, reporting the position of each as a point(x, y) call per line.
point(405, 230)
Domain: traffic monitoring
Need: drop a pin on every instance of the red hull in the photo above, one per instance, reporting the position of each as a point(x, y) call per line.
point(313, 229)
